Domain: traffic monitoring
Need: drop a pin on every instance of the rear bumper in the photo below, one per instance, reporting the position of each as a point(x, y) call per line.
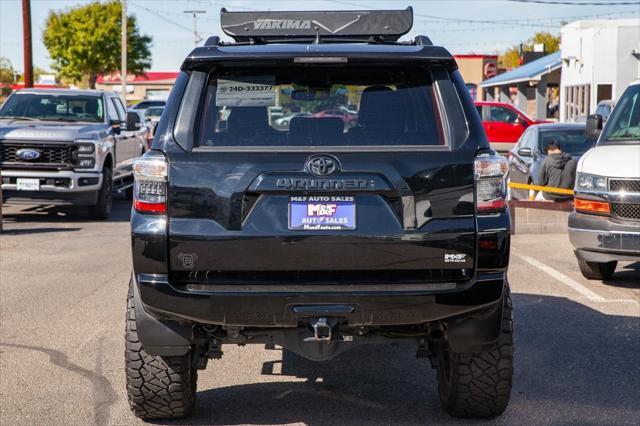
point(599, 239)
point(286, 306)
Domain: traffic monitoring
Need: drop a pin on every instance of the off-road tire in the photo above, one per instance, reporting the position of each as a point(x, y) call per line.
point(157, 387)
point(597, 270)
point(102, 209)
point(478, 385)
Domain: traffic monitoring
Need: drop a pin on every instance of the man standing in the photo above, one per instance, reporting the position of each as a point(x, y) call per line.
point(558, 170)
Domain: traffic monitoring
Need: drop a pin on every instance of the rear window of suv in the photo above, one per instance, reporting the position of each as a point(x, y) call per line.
point(320, 106)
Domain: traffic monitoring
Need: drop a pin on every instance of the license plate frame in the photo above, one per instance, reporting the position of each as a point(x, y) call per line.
point(28, 184)
point(322, 213)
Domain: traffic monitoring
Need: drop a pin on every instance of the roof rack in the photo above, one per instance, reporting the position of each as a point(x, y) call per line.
point(262, 27)
point(212, 41)
point(422, 40)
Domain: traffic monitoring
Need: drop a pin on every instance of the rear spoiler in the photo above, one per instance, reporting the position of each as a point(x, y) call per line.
point(383, 25)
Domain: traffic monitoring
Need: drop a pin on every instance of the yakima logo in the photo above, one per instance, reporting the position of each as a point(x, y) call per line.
point(281, 24)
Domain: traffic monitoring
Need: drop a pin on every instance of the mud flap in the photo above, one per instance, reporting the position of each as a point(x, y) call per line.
point(160, 337)
point(476, 332)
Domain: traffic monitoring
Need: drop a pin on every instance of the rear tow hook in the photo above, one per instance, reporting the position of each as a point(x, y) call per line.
point(322, 331)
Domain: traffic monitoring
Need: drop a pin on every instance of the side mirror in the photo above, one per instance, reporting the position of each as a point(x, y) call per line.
point(521, 122)
point(524, 152)
point(594, 126)
point(116, 126)
point(133, 121)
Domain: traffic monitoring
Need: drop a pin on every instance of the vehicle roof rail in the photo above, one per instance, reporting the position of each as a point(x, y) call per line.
point(386, 25)
point(212, 41)
point(423, 40)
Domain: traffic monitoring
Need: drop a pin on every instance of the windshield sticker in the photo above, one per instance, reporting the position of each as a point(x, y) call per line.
point(246, 91)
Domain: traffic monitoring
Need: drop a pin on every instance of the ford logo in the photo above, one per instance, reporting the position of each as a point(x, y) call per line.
point(322, 165)
point(28, 154)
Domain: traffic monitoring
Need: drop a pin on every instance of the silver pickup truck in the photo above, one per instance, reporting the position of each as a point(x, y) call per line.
point(68, 147)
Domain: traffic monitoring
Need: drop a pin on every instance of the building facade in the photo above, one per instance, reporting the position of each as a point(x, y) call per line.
point(530, 87)
point(152, 85)
point(475, 69)
point(599, 60)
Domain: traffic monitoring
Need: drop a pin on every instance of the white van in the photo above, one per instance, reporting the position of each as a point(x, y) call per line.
point(605, 226)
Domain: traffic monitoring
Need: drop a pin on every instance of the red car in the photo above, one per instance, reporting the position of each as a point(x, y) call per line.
point(503, 123)
point(348, 118)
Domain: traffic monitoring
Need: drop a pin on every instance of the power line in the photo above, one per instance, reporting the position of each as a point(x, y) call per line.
point(505, 25)
point(536, 22)
point(529, 22)
point(164, 18)
point(500, 26)
point(580, 3)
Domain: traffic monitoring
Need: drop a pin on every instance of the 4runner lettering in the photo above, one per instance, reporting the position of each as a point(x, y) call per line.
point(324, 184)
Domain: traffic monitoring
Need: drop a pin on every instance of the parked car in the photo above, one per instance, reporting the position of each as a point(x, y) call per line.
point(143, 105)
point(284, 122)
point(605, 226)
point(395, 231)
point(152, 116)
point(68, 147)
point(275, 112)
point(503, 123)
point(604, 109)
point(145, 128)
point(349, 109)
point(349, 119)
point(527, 155)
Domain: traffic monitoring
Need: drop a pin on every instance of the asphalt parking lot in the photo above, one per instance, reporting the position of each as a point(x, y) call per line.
point(63, 284)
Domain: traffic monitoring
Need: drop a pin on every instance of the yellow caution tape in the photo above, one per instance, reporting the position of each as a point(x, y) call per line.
point(550, 189)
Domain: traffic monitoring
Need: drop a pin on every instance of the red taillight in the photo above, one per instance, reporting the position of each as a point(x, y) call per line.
point(592, 207)
point(153, 208)
point(150, 184)
point(493, 205)
point(491, 190)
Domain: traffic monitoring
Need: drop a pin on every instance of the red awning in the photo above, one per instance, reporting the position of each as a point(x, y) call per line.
point(149, 77)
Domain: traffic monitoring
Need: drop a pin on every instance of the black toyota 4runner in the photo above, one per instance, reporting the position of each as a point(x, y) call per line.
point(319, 185)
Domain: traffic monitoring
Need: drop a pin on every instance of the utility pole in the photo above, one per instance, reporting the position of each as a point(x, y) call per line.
point(26, 37)
point(123, 55)
point(196, 37)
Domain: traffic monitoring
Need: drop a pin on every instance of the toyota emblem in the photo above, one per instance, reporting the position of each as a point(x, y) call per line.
point(322, 165)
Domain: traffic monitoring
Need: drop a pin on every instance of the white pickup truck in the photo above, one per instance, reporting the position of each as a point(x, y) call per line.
point(605, 226)
point(68, 147)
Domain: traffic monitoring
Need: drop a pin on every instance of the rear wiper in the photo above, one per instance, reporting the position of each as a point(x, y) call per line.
point(17, 117)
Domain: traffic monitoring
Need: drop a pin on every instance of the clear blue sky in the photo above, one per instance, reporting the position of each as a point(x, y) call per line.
point(463, 26)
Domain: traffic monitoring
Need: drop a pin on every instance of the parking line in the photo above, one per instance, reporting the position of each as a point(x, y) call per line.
point(569, 282)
